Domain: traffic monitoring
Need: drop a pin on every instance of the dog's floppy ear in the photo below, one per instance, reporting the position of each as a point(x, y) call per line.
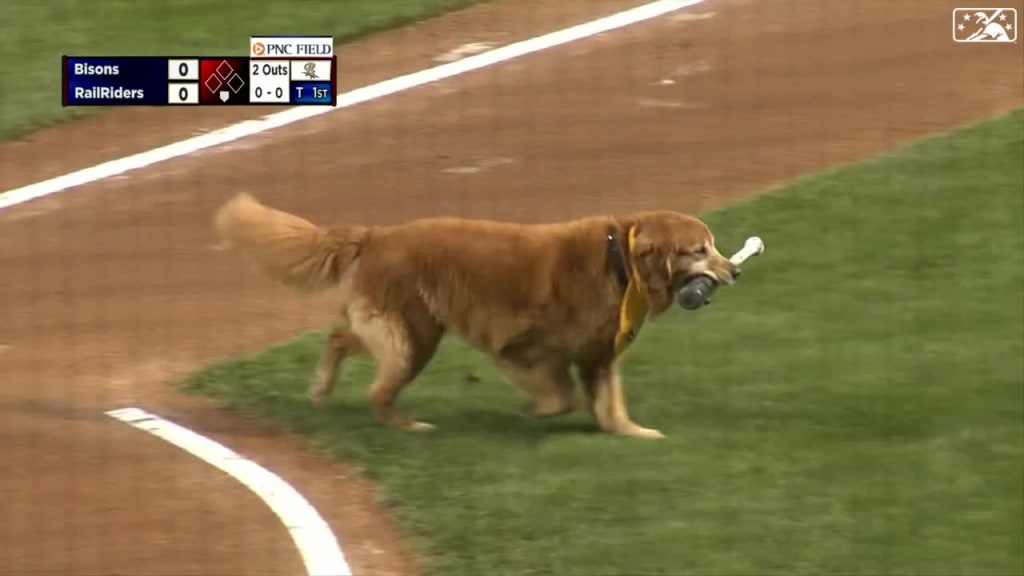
point(643, 244)
point(647, 245)
point(648, 257)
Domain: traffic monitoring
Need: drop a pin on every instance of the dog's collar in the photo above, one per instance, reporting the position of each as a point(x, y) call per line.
point(617, 257)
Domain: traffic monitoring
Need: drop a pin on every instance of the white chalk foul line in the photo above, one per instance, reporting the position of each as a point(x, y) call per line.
point(345, 100)
point(312, 535)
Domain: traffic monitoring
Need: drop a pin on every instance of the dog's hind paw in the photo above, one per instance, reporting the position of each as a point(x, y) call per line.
point(549, 407)
point(636, 431)
point(316, 397)
point(420, 427)
point(649, 433)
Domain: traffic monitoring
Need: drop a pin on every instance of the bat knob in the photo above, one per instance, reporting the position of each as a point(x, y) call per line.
point(752, 247)
point(696, 292)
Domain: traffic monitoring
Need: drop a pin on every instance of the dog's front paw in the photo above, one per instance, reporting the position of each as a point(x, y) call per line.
point(416, 426)
point(636, 431)
point(649, 433)
point(316, 395)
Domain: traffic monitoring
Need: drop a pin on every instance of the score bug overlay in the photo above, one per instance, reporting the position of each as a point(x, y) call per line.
point(279, 70)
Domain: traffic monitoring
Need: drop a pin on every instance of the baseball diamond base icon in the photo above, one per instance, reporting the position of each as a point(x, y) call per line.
point(984, 25)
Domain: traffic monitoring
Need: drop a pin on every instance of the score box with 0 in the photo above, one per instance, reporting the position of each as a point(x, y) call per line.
point(183, 69)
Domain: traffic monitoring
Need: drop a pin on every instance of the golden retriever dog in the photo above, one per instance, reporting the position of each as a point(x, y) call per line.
point(539, 299)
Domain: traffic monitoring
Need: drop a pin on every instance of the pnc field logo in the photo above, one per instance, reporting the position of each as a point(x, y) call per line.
point(291, 46)
point(984, 25)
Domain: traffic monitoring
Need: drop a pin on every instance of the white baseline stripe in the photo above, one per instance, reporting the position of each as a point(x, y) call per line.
point(351, 98)
point(312, 535)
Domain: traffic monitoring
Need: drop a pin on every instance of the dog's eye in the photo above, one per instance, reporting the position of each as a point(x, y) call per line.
point(701, 251)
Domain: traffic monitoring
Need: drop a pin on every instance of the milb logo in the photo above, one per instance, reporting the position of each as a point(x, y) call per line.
point(985, 25)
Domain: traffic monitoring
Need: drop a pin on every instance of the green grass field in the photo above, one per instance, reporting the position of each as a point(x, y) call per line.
point(37, 32)
point(852, 406)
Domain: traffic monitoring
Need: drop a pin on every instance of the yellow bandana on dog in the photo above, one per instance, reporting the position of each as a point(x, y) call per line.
point(634, 307)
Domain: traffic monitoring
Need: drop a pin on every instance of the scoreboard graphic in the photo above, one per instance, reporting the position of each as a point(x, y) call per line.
point(280, 70)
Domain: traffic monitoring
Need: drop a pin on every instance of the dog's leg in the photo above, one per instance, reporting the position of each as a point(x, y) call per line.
point(548, 386)
point(401, 351)
point(606, 401)
point(340, 344)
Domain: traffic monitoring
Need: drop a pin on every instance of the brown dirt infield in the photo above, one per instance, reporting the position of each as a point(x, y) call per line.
point(111, 290)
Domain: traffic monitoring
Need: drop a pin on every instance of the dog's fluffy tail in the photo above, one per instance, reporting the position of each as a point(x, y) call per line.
point(288, 248)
